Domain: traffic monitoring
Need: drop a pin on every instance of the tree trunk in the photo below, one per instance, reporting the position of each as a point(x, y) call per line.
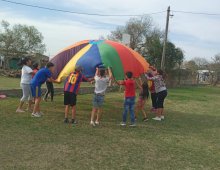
point(217, 79)
point(179, 76)
point(6, 63)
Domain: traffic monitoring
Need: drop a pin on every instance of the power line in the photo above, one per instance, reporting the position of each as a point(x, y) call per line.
point(197, 13)
point(105, 15)
point(79, 13)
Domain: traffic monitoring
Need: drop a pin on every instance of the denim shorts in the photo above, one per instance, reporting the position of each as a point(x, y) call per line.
point(98, 100)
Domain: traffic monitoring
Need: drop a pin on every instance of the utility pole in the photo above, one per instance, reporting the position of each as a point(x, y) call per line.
point(165, 40)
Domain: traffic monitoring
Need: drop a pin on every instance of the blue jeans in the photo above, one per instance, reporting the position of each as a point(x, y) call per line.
point(98, 101)
point(129, 106)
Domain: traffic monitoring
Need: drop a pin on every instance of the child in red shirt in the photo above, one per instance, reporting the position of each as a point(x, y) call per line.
point(129, 102)
point(35, 69)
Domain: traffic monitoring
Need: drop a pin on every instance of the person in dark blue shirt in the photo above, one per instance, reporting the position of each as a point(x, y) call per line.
point(43, 75)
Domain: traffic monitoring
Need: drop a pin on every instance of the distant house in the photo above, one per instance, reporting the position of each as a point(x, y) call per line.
point(13, 63)
point(204, 76)
point(41, 59)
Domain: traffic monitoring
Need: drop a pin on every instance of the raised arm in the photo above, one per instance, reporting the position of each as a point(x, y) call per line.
point(110, 73)
point(121, 82)
point(90, 79)
point(97, 71)
point(150, 78)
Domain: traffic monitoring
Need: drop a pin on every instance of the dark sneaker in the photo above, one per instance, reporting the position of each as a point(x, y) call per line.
point(135, 118)
point(73, 121)
point(132, 125)
point(145, 119)
point(66, 120)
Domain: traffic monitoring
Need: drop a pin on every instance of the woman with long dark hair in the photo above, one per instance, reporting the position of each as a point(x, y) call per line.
point(26, 76)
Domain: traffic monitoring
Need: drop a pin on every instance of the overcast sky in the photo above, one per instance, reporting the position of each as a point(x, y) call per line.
point(197, 35)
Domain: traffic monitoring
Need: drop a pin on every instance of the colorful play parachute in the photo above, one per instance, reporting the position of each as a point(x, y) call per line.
point(91, 54)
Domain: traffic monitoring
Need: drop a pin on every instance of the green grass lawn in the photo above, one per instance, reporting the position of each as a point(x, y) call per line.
point(14, 83)
point(189, 138)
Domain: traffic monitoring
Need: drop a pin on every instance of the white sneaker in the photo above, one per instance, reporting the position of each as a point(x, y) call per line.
point(157, 118)
point(92, 123)
point(40, 113)
point(133, 125)
point(35, 115)
point(162, 117)
point(123, 124)
point(20, 111)
point(97, 123)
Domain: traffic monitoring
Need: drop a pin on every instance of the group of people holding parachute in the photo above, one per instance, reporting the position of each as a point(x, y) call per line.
point(100, 61)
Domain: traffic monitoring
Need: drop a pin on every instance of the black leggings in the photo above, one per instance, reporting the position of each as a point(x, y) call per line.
point(154, 100)
point(50, 89)
point(160, 98)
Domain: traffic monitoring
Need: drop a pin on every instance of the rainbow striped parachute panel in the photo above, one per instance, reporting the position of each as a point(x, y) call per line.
point(92, 53)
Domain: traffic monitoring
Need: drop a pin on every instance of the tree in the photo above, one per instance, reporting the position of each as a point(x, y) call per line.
point(216, 59)
point(191, 65)
point(147, 39)
point(202, 63)
point(153, 47)
point(215, 66)
point(17, 40)
point(179, 60)
point(193, 68)
point(137, 28)
point(174, 56)
point(6, 39)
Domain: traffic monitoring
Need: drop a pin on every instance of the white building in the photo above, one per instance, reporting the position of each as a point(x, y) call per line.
point(204, 76)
